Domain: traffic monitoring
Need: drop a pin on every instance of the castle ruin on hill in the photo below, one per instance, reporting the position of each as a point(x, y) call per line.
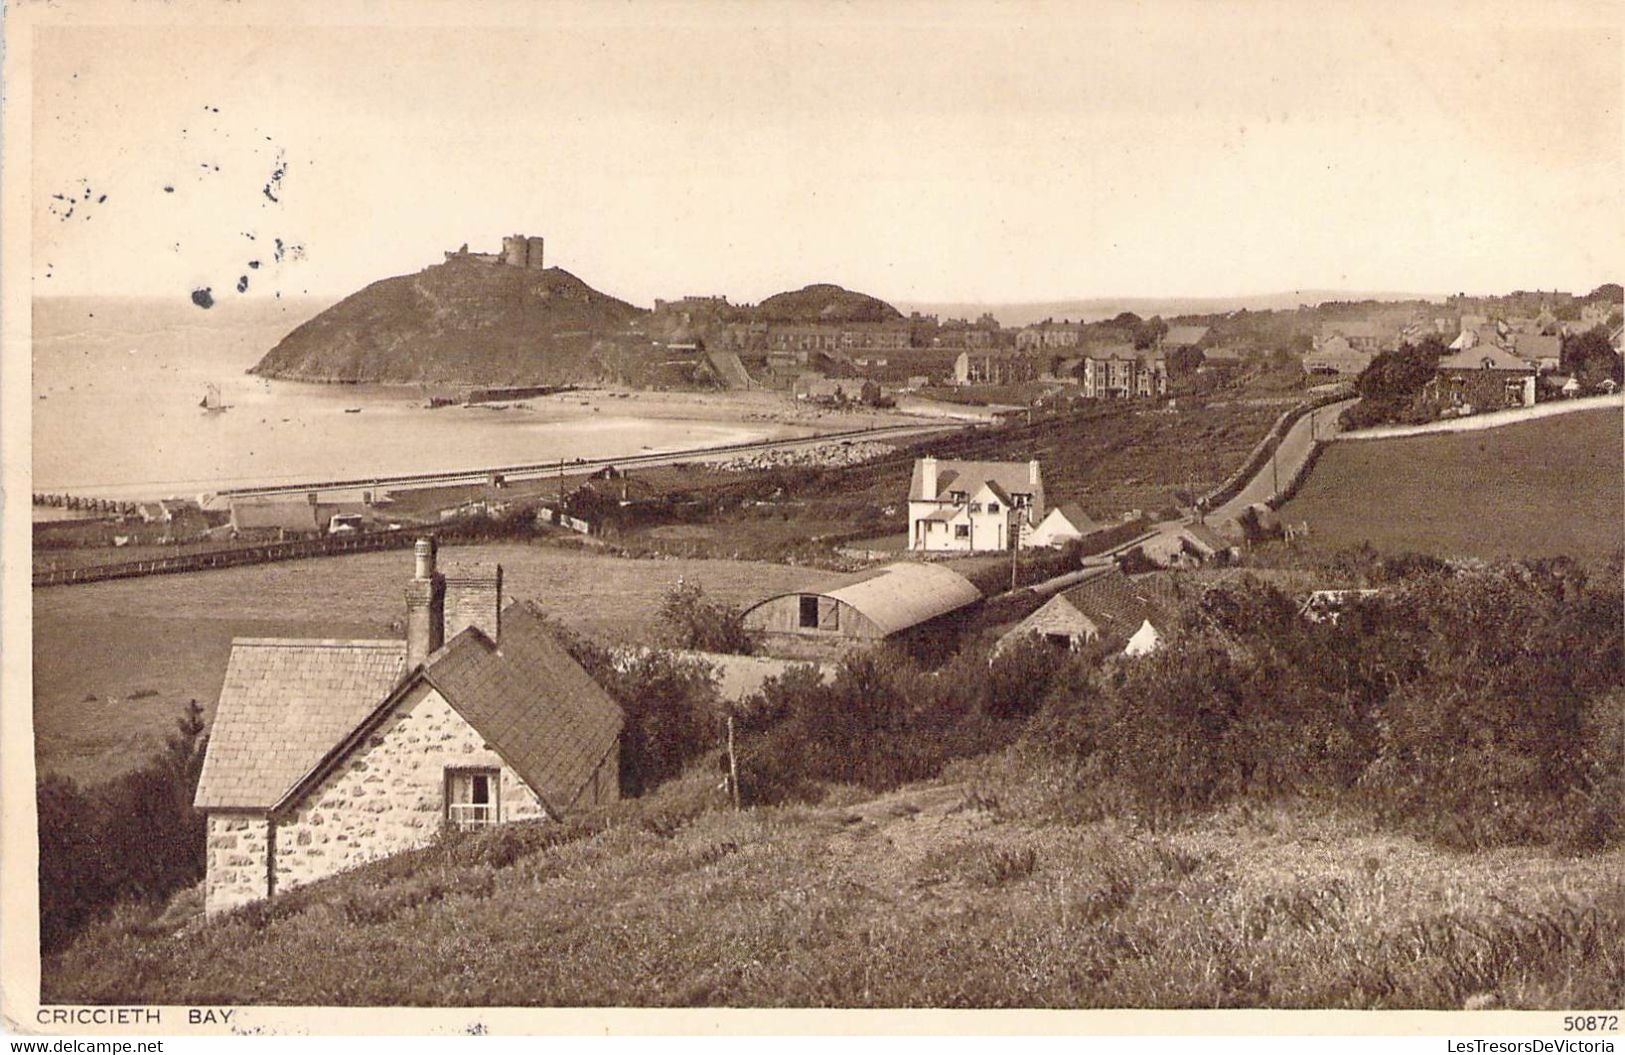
point(518, 250)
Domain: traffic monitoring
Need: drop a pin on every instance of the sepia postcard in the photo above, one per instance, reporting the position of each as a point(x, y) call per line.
point(704, 517)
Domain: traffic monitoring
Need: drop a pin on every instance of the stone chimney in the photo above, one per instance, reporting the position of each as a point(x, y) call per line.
point(1032, 472)
point(473, 598)
point(425, 605)
point(928, 477)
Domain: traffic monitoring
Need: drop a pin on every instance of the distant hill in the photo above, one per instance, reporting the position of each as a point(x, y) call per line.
point(462, 321)
point(1098, 308)
point(825, 302)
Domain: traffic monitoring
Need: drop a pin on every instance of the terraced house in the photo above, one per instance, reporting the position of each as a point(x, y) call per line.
point(327, 754)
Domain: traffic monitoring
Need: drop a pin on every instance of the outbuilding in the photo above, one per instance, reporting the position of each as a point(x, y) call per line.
point(896, 602)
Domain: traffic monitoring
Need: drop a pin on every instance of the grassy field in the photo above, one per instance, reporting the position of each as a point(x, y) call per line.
point(1551, 487)
point(968, 892)
point(115, 662)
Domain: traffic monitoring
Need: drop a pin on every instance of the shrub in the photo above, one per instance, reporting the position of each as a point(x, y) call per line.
point(134, 838)
point(672, 714)
point(691, 621)
point(881, 722)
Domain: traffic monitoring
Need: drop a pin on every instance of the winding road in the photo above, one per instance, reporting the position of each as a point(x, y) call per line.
point(1296, 445)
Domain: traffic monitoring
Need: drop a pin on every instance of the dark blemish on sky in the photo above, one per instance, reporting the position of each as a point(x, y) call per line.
point(101, 199)
point(279, 248)
point(274, 184)
point(254, 264)
point(203, 298)
point(169, 189)
point(242, 283)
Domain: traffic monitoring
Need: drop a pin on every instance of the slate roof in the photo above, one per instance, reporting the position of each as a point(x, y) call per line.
point(969, 477)
point(289, 514)
point(1117, 605)
point(283, 706)
point(1537, 346)
point(1206, 536)
point(531, 701)
point(1474, 358)
point(1180, 336)
point(1074, 515)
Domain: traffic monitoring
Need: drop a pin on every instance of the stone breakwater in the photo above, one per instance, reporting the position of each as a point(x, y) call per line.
point(821, 456)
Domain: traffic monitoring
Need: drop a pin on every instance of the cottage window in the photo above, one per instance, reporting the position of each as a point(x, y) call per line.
point(961, 531)
point(1021, 499)
point(976, 507)
point(471, 798)
point(992, 507)
point(958, 497)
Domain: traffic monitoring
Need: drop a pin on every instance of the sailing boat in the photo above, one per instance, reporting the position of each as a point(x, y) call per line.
point(211, 400)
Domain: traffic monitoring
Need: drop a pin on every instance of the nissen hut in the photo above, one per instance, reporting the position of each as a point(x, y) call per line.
point(897, 602)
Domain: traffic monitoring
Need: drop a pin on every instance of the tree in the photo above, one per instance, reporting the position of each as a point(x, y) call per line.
point(1182, 362)
point(691, 621)
point(1397, 377)
point(672, 715)
point(1589, 357)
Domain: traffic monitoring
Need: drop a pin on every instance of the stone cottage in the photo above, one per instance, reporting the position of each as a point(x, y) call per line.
point(328, 754)
point(1107, 613)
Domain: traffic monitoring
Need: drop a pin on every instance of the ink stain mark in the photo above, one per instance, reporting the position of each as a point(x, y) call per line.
point(169, 189)
point(274, 184)
point(254, 264)
point(203, 298)
point(242, 283)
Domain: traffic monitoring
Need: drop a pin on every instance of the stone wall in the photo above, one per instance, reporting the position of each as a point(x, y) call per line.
point(238, 870)
point(389, 794)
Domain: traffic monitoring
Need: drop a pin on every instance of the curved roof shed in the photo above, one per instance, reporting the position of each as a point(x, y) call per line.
point(872, 604)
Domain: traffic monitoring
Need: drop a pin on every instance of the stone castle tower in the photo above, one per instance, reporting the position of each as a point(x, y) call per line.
point(521, 251)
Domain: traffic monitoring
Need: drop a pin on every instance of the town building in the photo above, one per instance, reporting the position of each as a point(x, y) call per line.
point(1481, 377)
point(1049, 336)
point(326, 754)
point(994, 367)
point(968, 507)
point(1337, 356)
point(899, 602)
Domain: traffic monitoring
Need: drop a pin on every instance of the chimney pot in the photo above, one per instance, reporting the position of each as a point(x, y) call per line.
point(928, 476)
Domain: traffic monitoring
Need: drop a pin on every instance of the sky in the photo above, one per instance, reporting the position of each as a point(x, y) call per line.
point(961, 152)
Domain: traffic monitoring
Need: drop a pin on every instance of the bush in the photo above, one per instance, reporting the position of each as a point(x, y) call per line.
point(1474, 706)
point(692, 622)
point(136, 838)
point(880, 723)
point(672, 715)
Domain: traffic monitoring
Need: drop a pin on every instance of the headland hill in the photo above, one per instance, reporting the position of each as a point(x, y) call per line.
point(509, 319)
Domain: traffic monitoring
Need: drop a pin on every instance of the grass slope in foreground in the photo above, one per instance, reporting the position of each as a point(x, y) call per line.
point(969, 892)
point(1545, 488)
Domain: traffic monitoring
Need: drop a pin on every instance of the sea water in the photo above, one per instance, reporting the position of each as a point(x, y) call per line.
point(117, 386)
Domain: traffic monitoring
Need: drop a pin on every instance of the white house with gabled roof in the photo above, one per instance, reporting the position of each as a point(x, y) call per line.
point(971, 507)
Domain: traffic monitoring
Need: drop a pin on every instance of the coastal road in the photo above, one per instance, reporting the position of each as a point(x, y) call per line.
point(538, 470)
point(1318, 424)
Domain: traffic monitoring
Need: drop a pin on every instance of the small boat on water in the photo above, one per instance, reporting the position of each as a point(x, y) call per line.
point(211, 400)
